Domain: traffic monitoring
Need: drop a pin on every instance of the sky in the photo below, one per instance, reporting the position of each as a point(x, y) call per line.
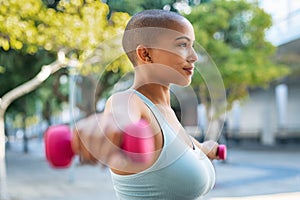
point(286, 20)
point(279, 9)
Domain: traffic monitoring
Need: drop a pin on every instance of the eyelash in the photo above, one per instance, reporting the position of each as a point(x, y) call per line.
point(185, 45)
point(182, 45)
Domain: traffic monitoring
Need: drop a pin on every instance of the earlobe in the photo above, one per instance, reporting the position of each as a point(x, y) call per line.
point(143, 54)
point(148, 59)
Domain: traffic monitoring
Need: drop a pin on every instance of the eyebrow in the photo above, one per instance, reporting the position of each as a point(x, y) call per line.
point(183, 37)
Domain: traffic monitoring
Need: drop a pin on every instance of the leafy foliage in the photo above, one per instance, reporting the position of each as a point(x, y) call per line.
point(138, 5)
point(76, 26)
point(15, 74)
point(80, 28)
point(233, 34)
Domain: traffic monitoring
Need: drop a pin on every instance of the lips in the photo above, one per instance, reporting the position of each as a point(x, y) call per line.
point(189, 70)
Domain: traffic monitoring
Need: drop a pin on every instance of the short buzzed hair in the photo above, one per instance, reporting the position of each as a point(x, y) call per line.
point(141, 29)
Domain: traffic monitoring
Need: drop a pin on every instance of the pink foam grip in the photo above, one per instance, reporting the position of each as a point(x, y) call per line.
point(222, 151)
point(138, 141)
point(58, 148)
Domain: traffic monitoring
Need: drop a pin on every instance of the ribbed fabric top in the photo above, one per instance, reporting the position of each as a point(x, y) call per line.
point(178, 173)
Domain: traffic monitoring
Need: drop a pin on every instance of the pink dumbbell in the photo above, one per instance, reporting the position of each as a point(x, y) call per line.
point(138, 144)
point(222, 152)
point(58, 148)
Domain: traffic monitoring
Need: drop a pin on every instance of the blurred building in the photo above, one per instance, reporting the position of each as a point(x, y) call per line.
point(274, 114)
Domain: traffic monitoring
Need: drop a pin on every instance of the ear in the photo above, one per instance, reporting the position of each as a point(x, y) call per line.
point(143, 54)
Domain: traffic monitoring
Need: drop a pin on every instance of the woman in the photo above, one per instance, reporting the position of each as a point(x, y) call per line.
point(160, 46)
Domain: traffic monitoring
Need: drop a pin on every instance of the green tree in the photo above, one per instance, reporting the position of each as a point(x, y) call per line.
point(72, 32)
point(138, 5)
point(233, 34)
point(15, 74)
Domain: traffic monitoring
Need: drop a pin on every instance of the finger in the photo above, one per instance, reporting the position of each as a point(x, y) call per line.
point(96, 143)
point(85, 156)
point(104, 152)
point(75, 141)
point(110, 144)
point(78, 131)
point(84, 149)
point(84, 130)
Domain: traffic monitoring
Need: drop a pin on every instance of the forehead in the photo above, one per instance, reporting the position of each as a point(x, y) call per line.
point(178, 30)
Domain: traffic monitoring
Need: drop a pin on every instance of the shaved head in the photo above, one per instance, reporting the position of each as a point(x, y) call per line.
point(144, 28)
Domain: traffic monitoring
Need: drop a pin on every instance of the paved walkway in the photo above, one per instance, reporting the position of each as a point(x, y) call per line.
point(251, 172)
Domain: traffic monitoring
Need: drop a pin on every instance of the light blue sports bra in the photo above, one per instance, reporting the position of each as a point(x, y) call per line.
point(179, 172)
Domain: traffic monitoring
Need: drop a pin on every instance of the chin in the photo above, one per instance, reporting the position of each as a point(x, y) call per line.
point(183, 83)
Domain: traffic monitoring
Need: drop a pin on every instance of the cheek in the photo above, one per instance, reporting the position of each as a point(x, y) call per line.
point(171, 58)
point(182, 53)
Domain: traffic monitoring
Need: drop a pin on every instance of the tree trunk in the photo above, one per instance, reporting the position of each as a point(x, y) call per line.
point(6, 100)
point(47, 112)
point(25, 135)
point(3, 184)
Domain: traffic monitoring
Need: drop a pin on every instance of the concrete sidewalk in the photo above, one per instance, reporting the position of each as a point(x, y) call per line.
point(251, 172)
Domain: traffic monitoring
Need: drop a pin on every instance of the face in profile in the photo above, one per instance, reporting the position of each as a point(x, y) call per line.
point(173, 55)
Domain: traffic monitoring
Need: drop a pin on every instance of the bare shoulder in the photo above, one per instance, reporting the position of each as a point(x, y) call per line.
point(125, 106)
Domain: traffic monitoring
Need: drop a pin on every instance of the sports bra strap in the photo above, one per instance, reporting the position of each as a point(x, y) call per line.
point(157, 114)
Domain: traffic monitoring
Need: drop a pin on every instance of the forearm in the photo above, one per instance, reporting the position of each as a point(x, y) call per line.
point(209, 148)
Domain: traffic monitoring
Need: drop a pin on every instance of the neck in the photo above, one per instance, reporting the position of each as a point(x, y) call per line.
point(149, 83)
point(158, 94)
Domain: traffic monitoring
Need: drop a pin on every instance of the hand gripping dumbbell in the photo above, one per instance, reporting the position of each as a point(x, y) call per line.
point(138, 144)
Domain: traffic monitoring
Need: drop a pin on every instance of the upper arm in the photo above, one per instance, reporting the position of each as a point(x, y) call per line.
point(127, 108)
point(123, 108)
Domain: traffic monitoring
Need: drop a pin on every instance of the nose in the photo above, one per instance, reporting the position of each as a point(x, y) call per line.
point(193, 57)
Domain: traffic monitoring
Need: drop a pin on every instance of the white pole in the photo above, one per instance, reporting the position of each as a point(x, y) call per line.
point(71, 114)
point(281, 102)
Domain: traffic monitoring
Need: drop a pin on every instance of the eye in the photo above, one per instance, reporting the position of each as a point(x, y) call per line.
point(183, 44)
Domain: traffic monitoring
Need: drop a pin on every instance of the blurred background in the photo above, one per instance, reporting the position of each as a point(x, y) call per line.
point(61, 59)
